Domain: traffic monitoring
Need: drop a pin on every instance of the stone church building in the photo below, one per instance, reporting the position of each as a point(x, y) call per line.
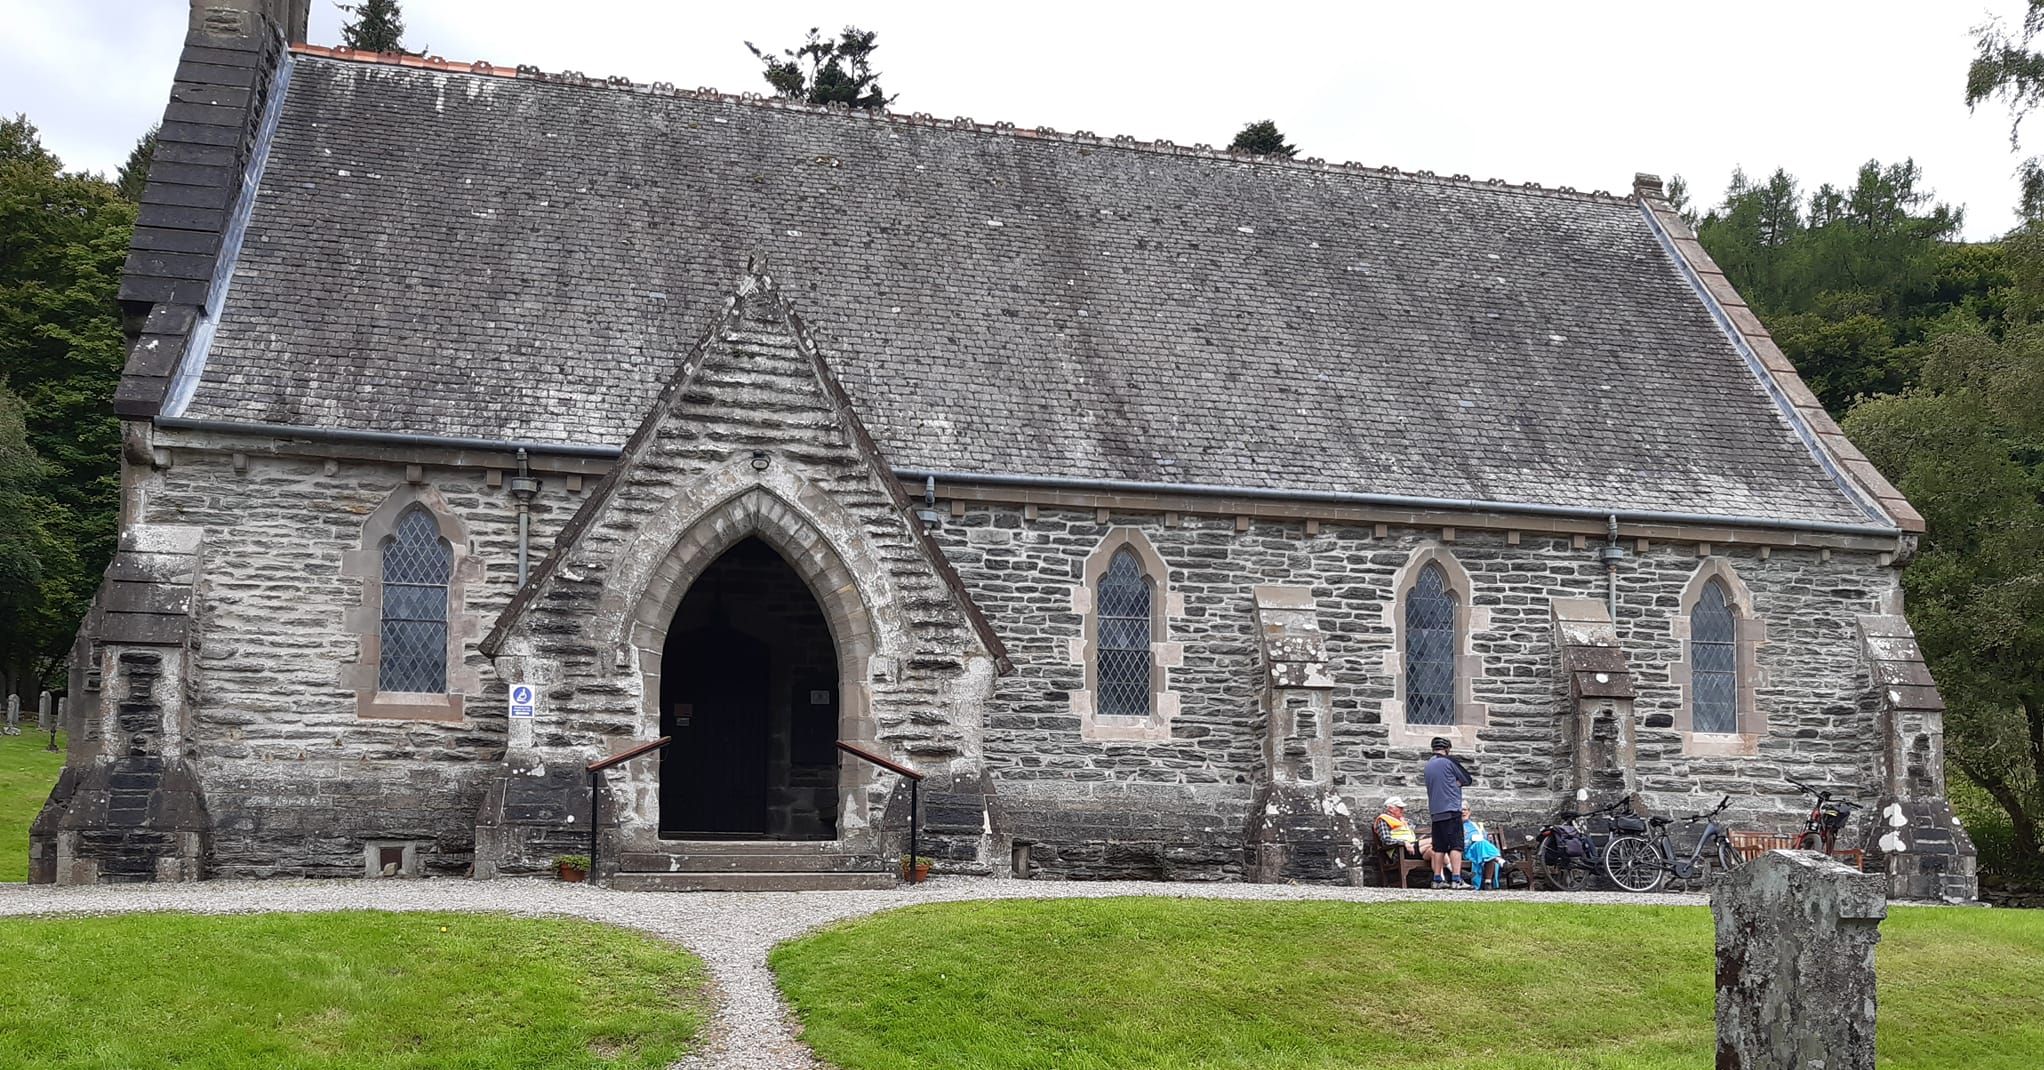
point(1156, 505)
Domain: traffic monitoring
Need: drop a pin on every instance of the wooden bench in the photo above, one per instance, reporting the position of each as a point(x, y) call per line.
point(1752, 845)
point(1515, 852)
point(1390, 856)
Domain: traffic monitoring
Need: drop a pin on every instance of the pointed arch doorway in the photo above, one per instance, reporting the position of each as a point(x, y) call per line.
point(750, 692)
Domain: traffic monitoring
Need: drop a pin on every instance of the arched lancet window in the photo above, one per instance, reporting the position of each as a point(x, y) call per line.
point(1123, 601)
point(1430, 649)
point(417, 564)
point(1714, 671)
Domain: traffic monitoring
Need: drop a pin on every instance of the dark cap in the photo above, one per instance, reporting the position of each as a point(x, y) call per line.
point(1442, 743)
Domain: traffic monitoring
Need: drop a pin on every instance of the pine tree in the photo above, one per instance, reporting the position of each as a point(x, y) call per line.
point(827, 71)
point(134, 174)
point(1262, 138)
point(378, 27)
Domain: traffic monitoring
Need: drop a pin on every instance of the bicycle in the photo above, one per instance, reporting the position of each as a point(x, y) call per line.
point(1641, 862)
point(1568, 853)
point(1827, 818)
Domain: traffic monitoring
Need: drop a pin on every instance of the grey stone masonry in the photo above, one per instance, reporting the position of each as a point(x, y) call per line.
point(1925, 850)
point(1597, 696)
point(1181, 806)
point(1299, 829)
point(1796, 933)
point(128, 805)
point(750, 438)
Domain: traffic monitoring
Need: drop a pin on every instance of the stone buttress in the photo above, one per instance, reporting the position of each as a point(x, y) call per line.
point(1299, 829)
point(1925, 851)
point(128, 805)
point(751, 438)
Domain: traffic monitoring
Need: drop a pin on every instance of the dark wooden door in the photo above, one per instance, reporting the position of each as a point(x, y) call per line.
point(715, 685)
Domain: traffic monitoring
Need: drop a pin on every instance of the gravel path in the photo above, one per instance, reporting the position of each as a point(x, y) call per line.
point(731, 931)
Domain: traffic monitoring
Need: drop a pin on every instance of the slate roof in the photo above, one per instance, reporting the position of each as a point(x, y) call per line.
point(466, 255)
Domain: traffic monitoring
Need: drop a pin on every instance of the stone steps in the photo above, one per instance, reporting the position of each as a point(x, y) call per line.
point(752, 882)
point(740, 857)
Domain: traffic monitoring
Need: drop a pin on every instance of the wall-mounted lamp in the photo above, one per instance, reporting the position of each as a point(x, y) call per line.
point(759, 460)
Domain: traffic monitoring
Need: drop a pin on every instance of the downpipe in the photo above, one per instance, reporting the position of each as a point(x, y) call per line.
point(524, 488)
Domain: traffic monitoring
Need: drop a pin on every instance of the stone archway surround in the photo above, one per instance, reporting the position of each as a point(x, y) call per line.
point(769, 514)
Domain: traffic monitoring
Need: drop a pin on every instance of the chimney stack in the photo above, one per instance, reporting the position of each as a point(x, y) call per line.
point(215, 19)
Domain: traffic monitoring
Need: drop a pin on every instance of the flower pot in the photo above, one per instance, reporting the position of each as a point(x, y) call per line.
point(916, 874)
point(574, 874)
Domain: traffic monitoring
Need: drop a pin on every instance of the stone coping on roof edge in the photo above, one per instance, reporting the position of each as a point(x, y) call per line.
point(484, 68)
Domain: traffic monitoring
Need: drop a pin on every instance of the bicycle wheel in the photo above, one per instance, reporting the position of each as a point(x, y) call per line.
point(1568, 876)
point(1728, 859)
point(1632, 864)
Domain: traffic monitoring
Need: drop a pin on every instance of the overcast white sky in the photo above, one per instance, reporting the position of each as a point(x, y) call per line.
point(1576, 94)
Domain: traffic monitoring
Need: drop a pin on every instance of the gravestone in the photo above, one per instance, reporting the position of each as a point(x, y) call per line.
point(13, 715)
point(45, 709)
point(1795, 963)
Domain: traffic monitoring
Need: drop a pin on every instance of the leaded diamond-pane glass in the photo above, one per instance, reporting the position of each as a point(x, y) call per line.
point(416, 566)
point(1713, 669)
point(1430, 649)
point(1122, 601)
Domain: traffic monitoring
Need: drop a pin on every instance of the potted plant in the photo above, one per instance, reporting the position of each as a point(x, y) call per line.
point(915, 869)
point(572, 868)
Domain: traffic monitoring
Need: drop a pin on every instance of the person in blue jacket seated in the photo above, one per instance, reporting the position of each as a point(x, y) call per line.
point(1480, 851)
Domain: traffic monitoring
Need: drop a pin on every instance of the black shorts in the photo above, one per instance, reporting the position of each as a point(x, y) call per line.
point(1448, 834)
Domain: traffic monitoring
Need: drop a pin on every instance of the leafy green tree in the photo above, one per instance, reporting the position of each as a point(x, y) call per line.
point(39, 570)
point(2006, 68)
point(63, 238)
point(1850, 280)
point(379, 26)
point(827, 70)
point(1966, 445)
point(134, 174)
point(1262, 138)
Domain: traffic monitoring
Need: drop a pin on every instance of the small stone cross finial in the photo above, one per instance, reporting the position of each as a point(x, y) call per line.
point(1795, 963)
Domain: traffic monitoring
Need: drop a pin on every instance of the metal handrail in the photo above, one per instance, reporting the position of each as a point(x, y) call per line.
point(915, 783)
point(595, 770)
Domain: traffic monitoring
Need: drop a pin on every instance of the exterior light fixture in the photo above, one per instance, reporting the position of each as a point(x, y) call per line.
point(759, 460)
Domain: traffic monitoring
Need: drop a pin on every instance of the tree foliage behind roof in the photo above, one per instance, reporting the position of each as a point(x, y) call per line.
point(63, 238)
point(1263, 139)
point(379, 26)
point(1850, 279)
point(134, 174)
point(827, 70)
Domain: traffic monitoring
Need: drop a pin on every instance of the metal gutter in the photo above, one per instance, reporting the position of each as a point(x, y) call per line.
point(381, 438)
point(1401, 501)
point(1002, 479)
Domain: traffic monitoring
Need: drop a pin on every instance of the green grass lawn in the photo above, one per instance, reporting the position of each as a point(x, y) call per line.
point(347, 991)
point(1090, 984)
point(27, 772)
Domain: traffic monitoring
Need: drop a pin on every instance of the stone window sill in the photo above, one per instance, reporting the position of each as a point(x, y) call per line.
point(408, 706)
point(1721, 744)
point(1462, 735)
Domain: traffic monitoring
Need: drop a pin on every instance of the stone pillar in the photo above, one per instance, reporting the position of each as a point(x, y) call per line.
point(1299, 829)
point(1602, 741)
point(1922, 847)
point(132, 809)
point(1795, 963)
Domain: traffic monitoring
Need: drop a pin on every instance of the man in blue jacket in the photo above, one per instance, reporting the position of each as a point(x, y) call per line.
point(1445, 780)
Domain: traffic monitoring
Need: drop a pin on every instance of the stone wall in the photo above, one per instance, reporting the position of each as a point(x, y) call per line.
point(1179, 807)
point(295, 779)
